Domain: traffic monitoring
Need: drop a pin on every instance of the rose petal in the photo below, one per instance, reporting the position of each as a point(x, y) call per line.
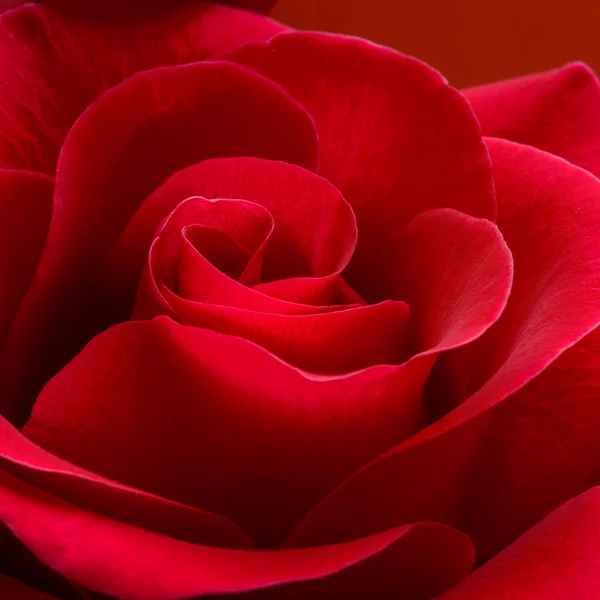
point(314, 226)
point(150, 126)
point(18, 566)
point(127, 562)
point(208, 419)
point(16, 590)
point(312, 239)
point(54, 64)
point(25, 206)
point(395, 138)
point(541, 448)
point(557, 111)
point(156, 123)
point(444, 265)
point(329, 341)
point(339, 342)
point(377, 389)
point(29, 462)
point(186, 256)
point(558, 558)
point(549, 214)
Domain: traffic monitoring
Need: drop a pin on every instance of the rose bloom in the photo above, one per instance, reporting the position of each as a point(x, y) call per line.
point(285, 315)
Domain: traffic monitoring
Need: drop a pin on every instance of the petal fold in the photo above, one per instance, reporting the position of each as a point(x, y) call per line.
point(24, 459)
point(190, 415)
point(127, 562)
point(55, 62)
point(395, 138)
point(549, 215)
point(125, 145)
point(558, 558)
point(541, 448)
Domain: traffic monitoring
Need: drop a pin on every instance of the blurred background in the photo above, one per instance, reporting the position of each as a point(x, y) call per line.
point(469, 41)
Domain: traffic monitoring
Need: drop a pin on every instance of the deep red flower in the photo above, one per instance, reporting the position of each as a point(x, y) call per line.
point(276, 318)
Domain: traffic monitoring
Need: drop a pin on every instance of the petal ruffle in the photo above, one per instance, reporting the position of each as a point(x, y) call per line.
point(307, 243)
point(445, 263)
point(334, 342)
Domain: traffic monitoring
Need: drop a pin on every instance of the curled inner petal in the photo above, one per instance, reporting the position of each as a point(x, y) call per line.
point(294, 225)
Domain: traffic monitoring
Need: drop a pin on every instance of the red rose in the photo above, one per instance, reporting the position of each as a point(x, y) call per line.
point(276, 318)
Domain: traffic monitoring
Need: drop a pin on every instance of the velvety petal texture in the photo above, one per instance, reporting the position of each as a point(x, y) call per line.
point(549, 214)
point(21, 570)
point(386, 122)
point(72, 59)
point(20, 457)
point(193, 110)
point(558, 558)
point(390, 395)
point(557, 111)
point(541, 449)
point(200, 423)
point(277, 320)
point(127, 562)
point(25, 207)
point(282, 295)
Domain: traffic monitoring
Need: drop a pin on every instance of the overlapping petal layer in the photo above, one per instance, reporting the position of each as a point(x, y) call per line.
point(558, 558)
point(310, 220)
point(556, 111)
point(127, 562)
point(304, 207)
point(19, 567)
point(147, 128)
point(190, 415)
point(395, 138)
point(188, 436)
point(541, 449)
point(549, 214)
point(22, 458)
point(379, 389)
point(54, 64)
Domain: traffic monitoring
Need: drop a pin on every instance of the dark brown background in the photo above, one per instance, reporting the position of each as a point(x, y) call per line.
point(469, 41)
